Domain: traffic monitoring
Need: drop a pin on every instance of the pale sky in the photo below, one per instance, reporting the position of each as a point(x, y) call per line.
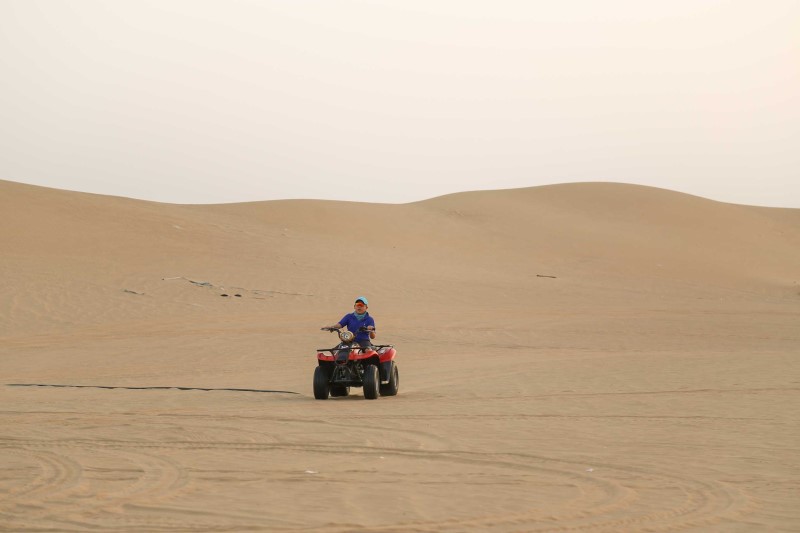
point(199, 101)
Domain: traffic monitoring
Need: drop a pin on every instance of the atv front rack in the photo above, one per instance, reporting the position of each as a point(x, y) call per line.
point(376, 347)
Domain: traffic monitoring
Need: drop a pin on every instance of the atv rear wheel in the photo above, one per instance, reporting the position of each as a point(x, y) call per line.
point(390, 389)
point(322, 386)
point(372, 382)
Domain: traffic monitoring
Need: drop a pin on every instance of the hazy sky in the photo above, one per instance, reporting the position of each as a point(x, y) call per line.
point(198, 101)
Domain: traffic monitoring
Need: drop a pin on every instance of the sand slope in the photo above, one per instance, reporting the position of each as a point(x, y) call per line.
point(595, 356)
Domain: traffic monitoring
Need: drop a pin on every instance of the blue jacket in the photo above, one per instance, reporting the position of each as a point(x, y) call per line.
point(352, 323)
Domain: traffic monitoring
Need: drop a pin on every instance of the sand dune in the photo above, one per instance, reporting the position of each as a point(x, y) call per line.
point(595, 356)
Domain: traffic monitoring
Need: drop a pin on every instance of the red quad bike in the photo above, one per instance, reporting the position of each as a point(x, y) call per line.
point(349, 365)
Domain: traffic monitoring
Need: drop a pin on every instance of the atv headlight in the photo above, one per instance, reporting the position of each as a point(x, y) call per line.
point(347, 336)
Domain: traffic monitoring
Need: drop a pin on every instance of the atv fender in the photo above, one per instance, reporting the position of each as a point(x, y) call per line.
point(387, 354)
point(385, 367)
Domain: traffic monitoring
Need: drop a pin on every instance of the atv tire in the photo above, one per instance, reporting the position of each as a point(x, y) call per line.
point(372, 382)
point(390, 388)
point(322, 386)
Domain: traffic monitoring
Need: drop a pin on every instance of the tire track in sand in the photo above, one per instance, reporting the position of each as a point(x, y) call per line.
point(609, 498)
point(61, 481)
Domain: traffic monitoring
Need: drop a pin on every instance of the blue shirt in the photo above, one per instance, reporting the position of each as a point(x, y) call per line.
point(352, 323)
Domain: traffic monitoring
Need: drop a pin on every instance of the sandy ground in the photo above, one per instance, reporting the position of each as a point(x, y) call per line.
point(583, 357)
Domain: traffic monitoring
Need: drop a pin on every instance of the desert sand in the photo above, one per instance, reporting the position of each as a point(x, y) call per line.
point(578, 357)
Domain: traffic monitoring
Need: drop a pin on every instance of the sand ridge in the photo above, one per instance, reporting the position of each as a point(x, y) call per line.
point(591, 357)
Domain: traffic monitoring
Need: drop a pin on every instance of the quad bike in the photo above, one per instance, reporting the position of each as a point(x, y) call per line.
point(349, 365)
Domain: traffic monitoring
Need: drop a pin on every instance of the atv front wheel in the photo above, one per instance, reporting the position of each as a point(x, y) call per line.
point(322, 386)
point(372, 382)
point(390, 389)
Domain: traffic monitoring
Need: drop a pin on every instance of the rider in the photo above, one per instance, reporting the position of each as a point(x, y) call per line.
point(359, 319)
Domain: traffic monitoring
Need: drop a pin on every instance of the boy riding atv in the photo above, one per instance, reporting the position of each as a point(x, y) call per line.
point(355, 361)
point(359, 322)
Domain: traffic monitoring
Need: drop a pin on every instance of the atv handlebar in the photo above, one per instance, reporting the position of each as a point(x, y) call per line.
point(362, 328)
point(349, 341)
